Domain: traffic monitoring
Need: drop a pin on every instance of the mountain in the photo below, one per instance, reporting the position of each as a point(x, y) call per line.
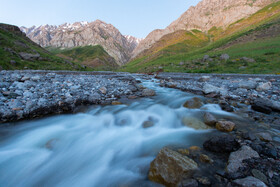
point(204, 16)
point(251, 44)
point(81, 34)
point(18, 52)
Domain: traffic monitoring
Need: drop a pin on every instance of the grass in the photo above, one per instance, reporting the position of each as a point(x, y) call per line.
point(264, 51)
point(93, 56)
point(18, 43)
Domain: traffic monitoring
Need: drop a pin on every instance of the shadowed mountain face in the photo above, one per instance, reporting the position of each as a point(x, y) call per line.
point(81, 34)
point(206, 15)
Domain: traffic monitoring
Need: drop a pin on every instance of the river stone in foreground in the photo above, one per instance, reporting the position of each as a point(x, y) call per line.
point(236, 158)
point(170, 167)
point(249, 182)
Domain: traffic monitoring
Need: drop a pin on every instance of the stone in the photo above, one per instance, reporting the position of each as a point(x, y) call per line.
point(236, 158)
point(264, 87)
point(132, 97)
point(259, 175)
point(249, 60)
point(224, 57)
point(188, 183)
point(170, 167)
point(221, 144)
point(249, 182)
point(209, 119)
point(194, 123)
point(225, 126)
point(193, 103)
point(29, 56)
point(148, 124)
point(116, 103)
point(204, 78)
point(205, 58)
point(148, 92)
point(205, 159)
point(264, 136)
point(209, 88)
point(13, 62)
point(225, 106)
point(248, 85)
point(103, 90)
point(204, 181)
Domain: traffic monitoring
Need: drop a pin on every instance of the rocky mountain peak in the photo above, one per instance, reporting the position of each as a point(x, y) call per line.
point(205, 15)
point(98, 32)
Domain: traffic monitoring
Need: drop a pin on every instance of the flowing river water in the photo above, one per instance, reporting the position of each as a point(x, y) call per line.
point(102, 146)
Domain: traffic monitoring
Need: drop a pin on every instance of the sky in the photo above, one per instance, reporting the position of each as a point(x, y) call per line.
point(132, 17)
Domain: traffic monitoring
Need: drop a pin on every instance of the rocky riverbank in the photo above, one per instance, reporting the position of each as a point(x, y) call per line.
point(30, 94)
point(247, 154)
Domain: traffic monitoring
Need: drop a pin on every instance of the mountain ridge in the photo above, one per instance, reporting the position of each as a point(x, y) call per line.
point(80, 34)
point(204, 16)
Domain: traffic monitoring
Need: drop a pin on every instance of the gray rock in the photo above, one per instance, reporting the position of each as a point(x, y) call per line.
point(103, 90)
point(224, 57)
point(249, 182)
point(209, 119)
point(259, 175)
point(206, 57)
point(236, 158)
point(148, 92)
point(204, 78)
point(29, 56)
point(264, 136)
point(148, 124)
point(264, 87)
point(188, 183)
point(208, 88)
point(248, 85)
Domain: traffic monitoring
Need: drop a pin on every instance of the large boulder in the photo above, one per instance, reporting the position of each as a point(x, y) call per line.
point(170, 167)
point(225, 126)
point(193, 103)
point(236, 158)
point(249, 182)
point(148, 92)
point(221, 144)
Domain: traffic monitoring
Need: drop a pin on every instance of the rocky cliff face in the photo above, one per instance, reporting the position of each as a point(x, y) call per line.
point(83, 34)
point(204, 16)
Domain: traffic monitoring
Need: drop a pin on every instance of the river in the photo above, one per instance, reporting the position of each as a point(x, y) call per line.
point(101, 146)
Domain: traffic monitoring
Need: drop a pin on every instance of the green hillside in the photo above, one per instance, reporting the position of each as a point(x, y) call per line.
point(19, 52)
point(256, 38)
point(92, 56)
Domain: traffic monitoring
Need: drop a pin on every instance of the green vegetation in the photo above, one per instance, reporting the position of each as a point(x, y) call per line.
point(92, 56)
point(238, 40)
point(13, 43)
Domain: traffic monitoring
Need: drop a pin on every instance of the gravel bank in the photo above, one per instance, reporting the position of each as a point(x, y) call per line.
point(30, 94)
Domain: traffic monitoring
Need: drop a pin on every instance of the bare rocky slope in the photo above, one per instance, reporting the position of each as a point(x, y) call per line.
point(206, 15)
point(83, 34)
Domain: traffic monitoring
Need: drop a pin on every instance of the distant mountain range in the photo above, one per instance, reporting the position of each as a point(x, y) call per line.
point(209, 29)
point(81, 34)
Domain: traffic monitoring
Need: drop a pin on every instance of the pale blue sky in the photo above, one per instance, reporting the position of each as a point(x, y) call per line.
point(132, 17)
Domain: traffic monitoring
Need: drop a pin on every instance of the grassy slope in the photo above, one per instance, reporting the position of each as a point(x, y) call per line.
point(265, 51)
point(10, 40)
point(93, 56)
